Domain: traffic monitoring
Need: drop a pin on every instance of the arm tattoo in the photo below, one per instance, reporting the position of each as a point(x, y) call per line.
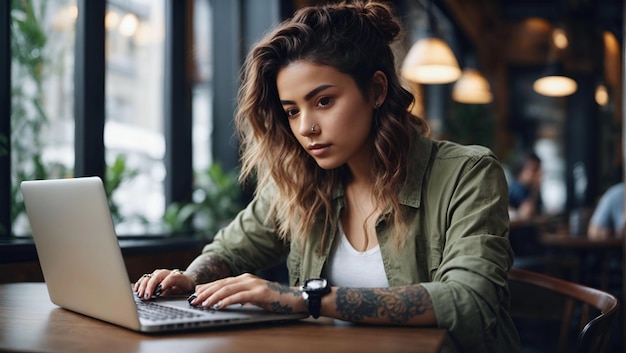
point(208, 268)
point(398, 304)
point(282, 289)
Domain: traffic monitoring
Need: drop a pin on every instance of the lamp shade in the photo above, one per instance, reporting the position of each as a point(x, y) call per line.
point(554, 83)
point(555, 86)
point(472, 88)
point(430, 61)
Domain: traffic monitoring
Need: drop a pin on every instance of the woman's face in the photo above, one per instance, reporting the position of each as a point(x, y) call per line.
point(320, 95)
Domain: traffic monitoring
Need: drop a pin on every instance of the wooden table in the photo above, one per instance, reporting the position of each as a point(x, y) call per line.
point(586, 250)
point(565, 240)
point(29, 322)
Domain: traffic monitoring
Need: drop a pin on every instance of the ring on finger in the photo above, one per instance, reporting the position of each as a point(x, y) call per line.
point(147, 275)
point(177, 272)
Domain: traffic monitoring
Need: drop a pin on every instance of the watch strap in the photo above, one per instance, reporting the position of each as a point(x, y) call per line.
point(313, 302)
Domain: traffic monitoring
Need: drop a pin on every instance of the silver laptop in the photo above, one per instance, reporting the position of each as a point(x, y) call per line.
point(84, 270)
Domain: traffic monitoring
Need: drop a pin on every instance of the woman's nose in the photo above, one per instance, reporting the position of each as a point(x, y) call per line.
point(307, 125)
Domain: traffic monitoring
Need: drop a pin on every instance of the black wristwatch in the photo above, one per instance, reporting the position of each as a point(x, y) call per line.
point(312, 292)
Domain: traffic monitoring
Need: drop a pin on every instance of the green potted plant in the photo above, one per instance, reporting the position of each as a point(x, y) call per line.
point(216, 200)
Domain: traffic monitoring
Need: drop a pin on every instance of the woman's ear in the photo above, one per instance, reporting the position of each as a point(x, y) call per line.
point(379, 88)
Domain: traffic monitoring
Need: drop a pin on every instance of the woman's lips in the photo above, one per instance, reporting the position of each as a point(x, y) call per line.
point(318, 149)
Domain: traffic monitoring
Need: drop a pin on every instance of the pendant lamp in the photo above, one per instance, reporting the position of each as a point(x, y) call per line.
point(555, 83)
point(472, 88)
point(430, 60)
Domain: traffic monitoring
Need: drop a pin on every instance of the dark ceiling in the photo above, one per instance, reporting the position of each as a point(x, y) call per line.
point(502, 27)
point(606, 14)
point(603, 14)
point(554, 9)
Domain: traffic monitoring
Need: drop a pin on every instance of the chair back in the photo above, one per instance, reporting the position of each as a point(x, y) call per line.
point(583, 314)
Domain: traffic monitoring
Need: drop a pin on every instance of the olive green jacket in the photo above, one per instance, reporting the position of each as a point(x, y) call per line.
point(458, 246)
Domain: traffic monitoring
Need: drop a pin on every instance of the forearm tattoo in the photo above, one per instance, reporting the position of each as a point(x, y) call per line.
point(208, 268)
point(398, 304)
point(282, 289)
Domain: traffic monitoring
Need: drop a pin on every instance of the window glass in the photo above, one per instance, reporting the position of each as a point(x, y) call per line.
point(42, 117)
point(133, 136)
point(202, 94)
point(214, 191)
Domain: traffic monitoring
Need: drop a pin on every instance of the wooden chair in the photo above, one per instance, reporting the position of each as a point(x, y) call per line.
point(574, 317)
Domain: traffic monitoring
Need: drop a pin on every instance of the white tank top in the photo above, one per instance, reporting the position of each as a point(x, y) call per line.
point(348, 267)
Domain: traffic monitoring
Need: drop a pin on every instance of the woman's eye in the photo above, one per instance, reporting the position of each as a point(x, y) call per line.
point(291, 112)
point(323, 102)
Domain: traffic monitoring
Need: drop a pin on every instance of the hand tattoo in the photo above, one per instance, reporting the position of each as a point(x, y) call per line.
point(281, 309)
point(282, 289)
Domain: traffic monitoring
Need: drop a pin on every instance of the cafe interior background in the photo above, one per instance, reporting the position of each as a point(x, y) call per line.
point(142, 93)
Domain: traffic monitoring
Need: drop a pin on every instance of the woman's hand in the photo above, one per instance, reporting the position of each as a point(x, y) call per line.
point(163, 282)
point(248, 289)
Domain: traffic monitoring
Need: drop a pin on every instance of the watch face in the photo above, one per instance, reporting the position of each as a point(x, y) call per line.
point(316, 283)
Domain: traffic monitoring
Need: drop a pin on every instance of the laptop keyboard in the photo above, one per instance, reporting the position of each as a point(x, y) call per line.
point(155, 312)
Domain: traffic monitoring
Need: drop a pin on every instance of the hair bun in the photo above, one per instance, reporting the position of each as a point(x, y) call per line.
point(381, 17)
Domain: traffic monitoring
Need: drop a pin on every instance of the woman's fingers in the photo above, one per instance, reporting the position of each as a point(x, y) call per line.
point(209, 294)
point(146, 284)
point(160, 281)
point(177, 282)
point(242, 289)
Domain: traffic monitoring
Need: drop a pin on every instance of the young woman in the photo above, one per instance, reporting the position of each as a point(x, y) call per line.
point(400, 228)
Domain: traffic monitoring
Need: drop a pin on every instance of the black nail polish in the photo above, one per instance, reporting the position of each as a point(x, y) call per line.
point(158, 291)
point(191, 298)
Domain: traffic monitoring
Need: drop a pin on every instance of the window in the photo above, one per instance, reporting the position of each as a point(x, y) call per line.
point(131, 101)
point(42, 127)
point(133, 134)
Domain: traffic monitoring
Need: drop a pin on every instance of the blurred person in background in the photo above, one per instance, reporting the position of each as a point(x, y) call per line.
point(524, 191)
point(607, 220)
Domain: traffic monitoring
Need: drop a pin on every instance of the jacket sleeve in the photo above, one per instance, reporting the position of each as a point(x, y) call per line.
point(469, 288)
point(249, 243)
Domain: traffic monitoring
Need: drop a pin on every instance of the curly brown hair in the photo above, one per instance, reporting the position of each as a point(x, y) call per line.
point(354, 37)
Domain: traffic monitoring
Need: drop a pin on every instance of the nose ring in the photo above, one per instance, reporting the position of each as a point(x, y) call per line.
point(313, 128)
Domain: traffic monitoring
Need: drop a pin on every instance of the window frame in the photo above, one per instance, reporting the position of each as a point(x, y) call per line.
point(5, 118)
